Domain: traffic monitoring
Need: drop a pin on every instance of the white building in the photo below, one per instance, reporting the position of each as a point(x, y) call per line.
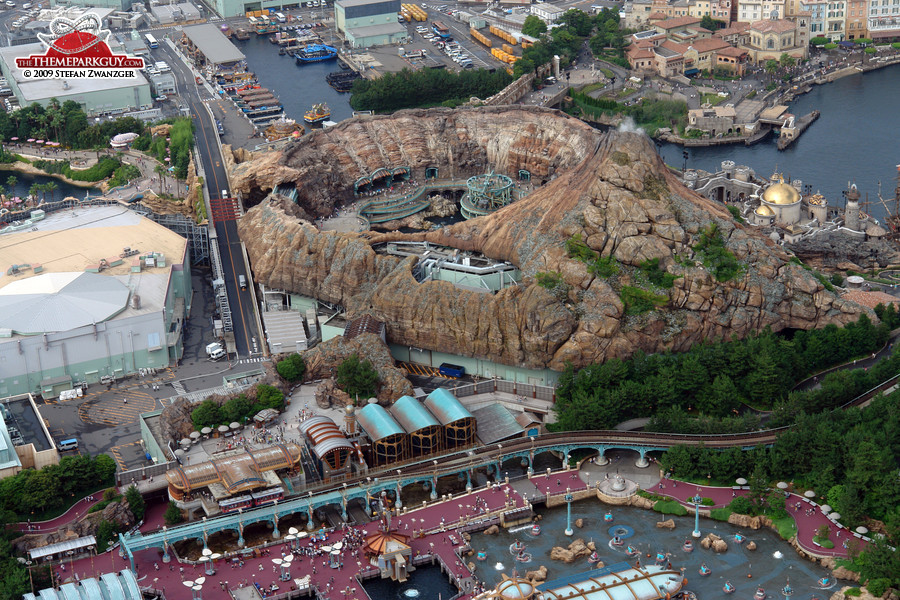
point(547, 13)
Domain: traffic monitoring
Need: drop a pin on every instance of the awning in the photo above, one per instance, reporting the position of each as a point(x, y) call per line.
point(691, 71)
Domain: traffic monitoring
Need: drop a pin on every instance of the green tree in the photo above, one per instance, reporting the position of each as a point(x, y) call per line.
point(268, 396)
point(11, 182)
point(707, 22)
point(771, 66)
point(787, 61)
point(173, 515)
point(533, 26)
point(105, 533)
point(207, 414)
point(578, 20)
point(292, 367)
point(105, 470)
point(358, 378)
point(135, 503)
point(235, 409)
point(759, 488)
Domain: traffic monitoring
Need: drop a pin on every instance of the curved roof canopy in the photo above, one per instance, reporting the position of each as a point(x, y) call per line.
point(446, 407)
point(377, 422)
point(60, 302)
point(411, 415)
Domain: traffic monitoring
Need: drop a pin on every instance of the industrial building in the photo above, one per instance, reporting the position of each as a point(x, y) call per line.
point(426, 436)
point(168, 14)
point(95, 96)
point(119, 5)
point(120, 586)
point(211, 50)
point(459, 424)
point(388, 442)
point(367, 23)
point(88, 295)
point(25, 442)
point(329, 445)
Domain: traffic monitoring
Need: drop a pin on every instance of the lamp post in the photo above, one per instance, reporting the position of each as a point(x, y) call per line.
point(196, 587)
point(569, 531)
point(696, 500)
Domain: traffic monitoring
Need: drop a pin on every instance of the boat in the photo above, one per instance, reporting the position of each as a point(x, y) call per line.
point(631, 550)
point(249, 90)
point(241, 34)
point(787, 590)
point(282, 128)
point(825, 582)
point(282, 52)
point(482, 555)
point(688, 546)
point(728, 588)
point(662, 558)
point(760, 594)
point(516, 547)
point(523, 556)
point(535, 529)
point(315, 53)
point(617, 541)
point(342, 81)
point(594, 558)
point(608, 517)
point(317, 114)
point(738, 538)
point(704, 570)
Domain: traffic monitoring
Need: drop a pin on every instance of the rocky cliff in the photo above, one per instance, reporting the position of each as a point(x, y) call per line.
point(610, 190)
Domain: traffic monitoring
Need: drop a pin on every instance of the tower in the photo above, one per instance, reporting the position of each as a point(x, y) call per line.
point(851, 214)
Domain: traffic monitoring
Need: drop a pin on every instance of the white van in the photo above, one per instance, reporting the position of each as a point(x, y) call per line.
point(26, 6)
point(242, 282)
point(281, 18)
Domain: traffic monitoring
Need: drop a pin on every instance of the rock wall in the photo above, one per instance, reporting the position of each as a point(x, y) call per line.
point(612, 190)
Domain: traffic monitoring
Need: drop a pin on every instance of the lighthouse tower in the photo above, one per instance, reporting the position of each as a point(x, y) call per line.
point(851, 214)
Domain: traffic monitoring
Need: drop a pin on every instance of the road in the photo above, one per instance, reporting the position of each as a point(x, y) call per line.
point(224, 208)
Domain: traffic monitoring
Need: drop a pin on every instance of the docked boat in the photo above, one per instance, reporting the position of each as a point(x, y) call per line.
point(688, 546)
point(250, 90)
point(342, 81)
point(257, 104)
point(482, 555)
point(282, 52)
point(283, 128)
point(317, 114)
point(535, 529)
point(728, 588)
point(662, 558)
point(241, 34)
point(760, 594)
point(516, 547)
point(315, 53)
point(825, 582)
point(704, 570)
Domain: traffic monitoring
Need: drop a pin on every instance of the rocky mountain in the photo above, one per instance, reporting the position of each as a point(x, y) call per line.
point(603, 195)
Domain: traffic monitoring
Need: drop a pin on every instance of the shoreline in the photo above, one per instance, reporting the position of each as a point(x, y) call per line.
point(28, 169)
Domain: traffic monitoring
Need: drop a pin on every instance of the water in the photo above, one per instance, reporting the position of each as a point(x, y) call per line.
point(855, 139)
point(25, 181)
point(770, 564)
point(425, 583)
point(298, 88)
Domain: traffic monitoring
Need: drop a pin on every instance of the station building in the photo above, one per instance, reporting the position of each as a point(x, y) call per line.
point(367, 23)
point(211, 50)
point(90, 294)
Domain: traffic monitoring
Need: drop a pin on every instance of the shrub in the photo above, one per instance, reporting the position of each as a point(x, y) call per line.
point(605, 266)
point(207, 414)
point(173, 515)
point(716, 257)
point(707, 502)
point(105, 533)
point(357, 377)
point(135, 503)
point(670, 507)
point(657, 276)
point(720, 514)
point(577, 249)
point(291, 368)
point(855, 592)
point(553, 282)
point(877, 587)
point(819, 41)
point(123, 175)
point(741, 505)
point(638, 301)
point(836, 279)
point(830, 46)
point(268, 396)
point(105, 167)
point(736, 213)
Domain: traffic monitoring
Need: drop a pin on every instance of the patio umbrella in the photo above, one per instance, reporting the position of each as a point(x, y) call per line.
point(179, 452)
point(206, 431)
point(30, 140)
point(39, 141)
point(782, 485)
point(223, 428)
point(740, 481)
point(185, 442)
point(14, 139)
point(809, 494)
point(302, 535)
point(834, 516)
point(339, 545)
point(826, 509)
point(862, 530)
point(326, 549)
point(235, 425)
point(194, 435)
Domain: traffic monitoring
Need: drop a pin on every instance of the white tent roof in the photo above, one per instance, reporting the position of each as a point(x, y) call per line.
point(60, 302)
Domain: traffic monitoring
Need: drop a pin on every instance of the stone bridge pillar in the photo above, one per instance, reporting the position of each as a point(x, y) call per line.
point(642, 462)
point(165, 557)
point(309, 518)
point(398, 503)
point(275, 533)
point(566, 461)
point(240, 535)
point(601, 456)
point(433, 495)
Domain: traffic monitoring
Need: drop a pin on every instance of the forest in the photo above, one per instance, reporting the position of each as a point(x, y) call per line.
point(426, 88)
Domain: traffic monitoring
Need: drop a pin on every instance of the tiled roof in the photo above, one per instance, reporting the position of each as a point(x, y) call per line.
point(709, 45)
point(869, 299)
point(774, 26)
point(678, 22)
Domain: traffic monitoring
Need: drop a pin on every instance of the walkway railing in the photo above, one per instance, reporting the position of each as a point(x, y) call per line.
point(389, 209)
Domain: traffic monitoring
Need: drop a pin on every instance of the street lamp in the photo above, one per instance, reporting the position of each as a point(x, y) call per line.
point(285, 565)
point(196, 587)
point(696, 500)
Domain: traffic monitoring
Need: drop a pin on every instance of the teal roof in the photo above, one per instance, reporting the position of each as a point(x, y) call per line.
point(377, 422)
point(411, 415)
point(446, 407)
point(111, 586)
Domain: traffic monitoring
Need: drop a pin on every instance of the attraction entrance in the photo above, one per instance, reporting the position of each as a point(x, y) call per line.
point(380, 179)
point(486, 194)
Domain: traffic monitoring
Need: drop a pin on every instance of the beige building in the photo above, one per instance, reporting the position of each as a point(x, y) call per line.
point(771, 38)
point(835, 19)
point(757, 10)
point(717, 120)
point(857, 19)
point(25, 442)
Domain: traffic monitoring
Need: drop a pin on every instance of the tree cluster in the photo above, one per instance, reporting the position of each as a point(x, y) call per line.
point(563, 40)
point(715, 378)
point(54, 487)
point(176, 146)
point(291, 368)
point(425, 88)
point(357, 377)
point(236, 410)
point(65, 123)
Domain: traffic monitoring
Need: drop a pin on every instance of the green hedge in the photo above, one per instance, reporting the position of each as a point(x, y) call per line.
point(104, 168)
point(670, 507)
point(720, 514)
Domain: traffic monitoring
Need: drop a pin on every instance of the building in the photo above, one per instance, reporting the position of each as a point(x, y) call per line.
point(547, 13)
point(366, 23)
point(835, 19)
point(118, 5)
point(681, 29)
point(25, 442)
point(857, 21)
point(121, 586)
point(758, 10)
point(771, 38)
point(719, 10)
point(95, 96)
point(163, 84)
point(816, 10)
point(716, 120)
point(884, 20)
point(94, 294)
point(210, 50)
point(168, 14)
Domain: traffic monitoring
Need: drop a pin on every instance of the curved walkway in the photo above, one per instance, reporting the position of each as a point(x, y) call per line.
point(809, 517)
point(75, 512)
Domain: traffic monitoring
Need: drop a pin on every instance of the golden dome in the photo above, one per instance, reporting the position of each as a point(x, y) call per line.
point(781, 193)
point(764, 211)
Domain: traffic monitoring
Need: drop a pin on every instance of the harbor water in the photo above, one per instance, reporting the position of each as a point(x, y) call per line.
point(771, 564)
point(298, 87)
point(855, 140)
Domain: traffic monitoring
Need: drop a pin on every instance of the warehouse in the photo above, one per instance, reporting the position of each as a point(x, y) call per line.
point(367, 23)
point(91, 295)
point(210, 49)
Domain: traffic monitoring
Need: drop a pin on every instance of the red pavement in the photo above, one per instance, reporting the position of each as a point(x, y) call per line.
point(260, 570)
point(556, 483)
point(78, 510)
point(807, 524)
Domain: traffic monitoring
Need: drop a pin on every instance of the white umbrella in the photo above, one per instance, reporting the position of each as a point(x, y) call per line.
point(194, 435)
point(782, 485)
point(203, 559)
point(834, 516)
point(277, 561)
point(293, 531)
point(302, 535)
point(740, 481)
point(179, 452)
point(809, 494)
point(215, 556)
point(339, 545)
point(862, 530)
point(235, 425)
point(335, 552)
point(206, 552)
point(223, 428)
point(326, 549)
point(185, 442)
point(206, 431)
point(825, 509)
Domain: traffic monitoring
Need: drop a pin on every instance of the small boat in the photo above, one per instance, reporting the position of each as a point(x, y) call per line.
point(516, 547)
point(760, 594)
point(738, 538)
point(704, 570)
point(617, 541)
point(787, 590)
point(594, 558)
point(631, 551)
point(315, 53)
point(608, 517)
point(523, 556)
point(825, 582)
point(661, 558)
point(728, 588)
point(535, 529)
point(482, 555)
point(688, 546)
point(317, 114)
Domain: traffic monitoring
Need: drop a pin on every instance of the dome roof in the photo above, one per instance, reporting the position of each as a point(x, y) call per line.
point(764, 211)
point(515, 589)
point(781, 193)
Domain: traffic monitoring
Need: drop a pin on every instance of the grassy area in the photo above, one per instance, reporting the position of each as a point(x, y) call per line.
point(670, 507)
point(786, 526)
point(828, 544)
point(607, 73)
point(713, 99)
point(720, 514)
